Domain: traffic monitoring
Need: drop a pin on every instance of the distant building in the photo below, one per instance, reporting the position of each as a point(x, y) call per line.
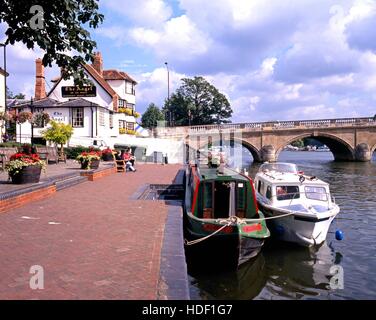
point(104, 110)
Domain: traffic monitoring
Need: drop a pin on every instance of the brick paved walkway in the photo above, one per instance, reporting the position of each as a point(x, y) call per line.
point(91, 239)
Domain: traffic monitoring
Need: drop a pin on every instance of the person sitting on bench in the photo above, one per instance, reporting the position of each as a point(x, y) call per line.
point(127, 157)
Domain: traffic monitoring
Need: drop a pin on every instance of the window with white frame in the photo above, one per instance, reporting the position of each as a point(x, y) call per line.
point(130, 125)
point(130, 106)
point(101, 118)
point(77, 117)
point(111, 120)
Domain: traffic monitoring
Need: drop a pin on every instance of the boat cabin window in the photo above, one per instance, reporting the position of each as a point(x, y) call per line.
point(259, 186)
point(268, 192)
point(316, 193)
point(208, 197)
point(240, 195)
point(287, 192)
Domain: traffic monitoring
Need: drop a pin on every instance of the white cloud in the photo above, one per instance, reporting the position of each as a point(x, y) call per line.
point(141, 12)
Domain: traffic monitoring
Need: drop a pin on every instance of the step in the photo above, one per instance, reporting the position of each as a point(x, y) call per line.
point(69, 182)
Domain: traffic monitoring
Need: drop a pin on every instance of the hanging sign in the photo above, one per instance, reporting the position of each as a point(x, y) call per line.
point(74, 91)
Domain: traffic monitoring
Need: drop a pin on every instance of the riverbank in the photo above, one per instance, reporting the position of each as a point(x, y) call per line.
point(93, 240)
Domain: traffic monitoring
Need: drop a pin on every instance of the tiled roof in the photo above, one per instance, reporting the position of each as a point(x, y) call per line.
point(99, 79)
point(51, 103)
point(3, 72)
point(42, 103)
point(117, 75)
point(80, 102)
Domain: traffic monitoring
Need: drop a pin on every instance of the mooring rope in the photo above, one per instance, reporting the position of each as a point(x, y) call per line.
point(231, 221)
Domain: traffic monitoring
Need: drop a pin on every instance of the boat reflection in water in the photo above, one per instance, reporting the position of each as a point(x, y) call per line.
point(299, 273)
point(244, 284)
point(282, 271)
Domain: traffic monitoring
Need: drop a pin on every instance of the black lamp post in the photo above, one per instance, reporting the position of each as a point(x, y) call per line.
point(31, 121)
point(5, 81)
point(168, 95)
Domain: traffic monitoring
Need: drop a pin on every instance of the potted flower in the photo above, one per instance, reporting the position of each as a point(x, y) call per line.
point(108, 154)
point(25, 168)
point(89, 160)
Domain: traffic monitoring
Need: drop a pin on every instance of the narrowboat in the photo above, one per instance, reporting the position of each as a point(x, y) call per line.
point(299, 208)
point(221, 217)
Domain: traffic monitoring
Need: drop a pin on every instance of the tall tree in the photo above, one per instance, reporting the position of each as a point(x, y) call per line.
point(10, 95)
point(197, 102)
point(151, 116)
point(57, 27)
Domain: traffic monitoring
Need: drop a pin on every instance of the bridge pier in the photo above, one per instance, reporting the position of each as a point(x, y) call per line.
point(268, 154)
point(363, 153)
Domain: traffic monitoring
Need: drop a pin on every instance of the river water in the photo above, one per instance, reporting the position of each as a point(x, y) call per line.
point(286, 271)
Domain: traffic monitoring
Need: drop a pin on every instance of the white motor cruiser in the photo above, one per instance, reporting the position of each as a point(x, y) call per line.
point(298, 207)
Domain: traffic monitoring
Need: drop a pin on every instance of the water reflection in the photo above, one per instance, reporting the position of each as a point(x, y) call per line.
point(296, 272)
point(284, 271)
point(244, 284)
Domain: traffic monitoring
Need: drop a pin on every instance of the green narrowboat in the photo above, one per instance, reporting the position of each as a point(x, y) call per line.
point(222, 219)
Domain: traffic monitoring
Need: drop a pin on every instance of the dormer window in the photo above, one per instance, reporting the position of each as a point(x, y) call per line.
point(130, 88)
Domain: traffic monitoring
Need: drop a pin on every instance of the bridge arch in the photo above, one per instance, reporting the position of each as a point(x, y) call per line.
point(373, 149)
point(341, 150)
point(250, 147)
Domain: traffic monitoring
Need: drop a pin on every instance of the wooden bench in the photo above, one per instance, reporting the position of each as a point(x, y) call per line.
point(53, 155)
point(48, 153)
point(120, 165)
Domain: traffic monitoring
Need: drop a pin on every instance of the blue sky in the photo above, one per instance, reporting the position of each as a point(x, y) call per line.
point(274, 60)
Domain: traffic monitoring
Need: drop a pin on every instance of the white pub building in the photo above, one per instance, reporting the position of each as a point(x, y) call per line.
point(104, 111)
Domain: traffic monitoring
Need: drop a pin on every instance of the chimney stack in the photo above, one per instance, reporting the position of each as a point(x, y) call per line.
point(40, 89)
point(98, 63)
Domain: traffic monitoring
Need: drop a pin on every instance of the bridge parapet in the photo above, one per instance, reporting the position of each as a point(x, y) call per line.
point(178, 132)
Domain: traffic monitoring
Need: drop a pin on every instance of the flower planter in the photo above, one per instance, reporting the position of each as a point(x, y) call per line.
point(29, 174)
point(94, 164)
point(107, 157)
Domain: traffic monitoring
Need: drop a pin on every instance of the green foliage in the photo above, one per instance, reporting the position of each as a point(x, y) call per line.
point(198, 101)
point(10, 145)
point(65, 25)
point(298, 143)
point(58, 133)
point(151, 116)
point(74, 152)
point(10, 95)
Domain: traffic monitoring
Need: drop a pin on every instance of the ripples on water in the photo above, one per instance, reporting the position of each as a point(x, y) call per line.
point(286, 271)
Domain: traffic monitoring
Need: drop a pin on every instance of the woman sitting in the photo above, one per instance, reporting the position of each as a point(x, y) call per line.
point(128, 158)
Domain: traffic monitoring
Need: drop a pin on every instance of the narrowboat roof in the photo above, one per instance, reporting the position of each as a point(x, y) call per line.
point(207, 173)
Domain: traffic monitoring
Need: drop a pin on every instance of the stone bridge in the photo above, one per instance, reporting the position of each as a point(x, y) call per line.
point(349, 139)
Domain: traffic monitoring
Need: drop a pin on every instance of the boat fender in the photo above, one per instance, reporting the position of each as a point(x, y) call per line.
point(339, 235)
point(301, 179)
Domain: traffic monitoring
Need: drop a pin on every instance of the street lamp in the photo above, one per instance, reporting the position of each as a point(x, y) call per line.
point(168, 93)
point(5, 85)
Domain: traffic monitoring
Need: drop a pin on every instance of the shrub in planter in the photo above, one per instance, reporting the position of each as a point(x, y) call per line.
point(74, 152)
point(89, 160)
point(108, 154)
point(25, 168)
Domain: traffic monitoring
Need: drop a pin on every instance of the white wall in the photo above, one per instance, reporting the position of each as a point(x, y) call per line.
point(103, 98)
point(120, 88)
point(2, 93)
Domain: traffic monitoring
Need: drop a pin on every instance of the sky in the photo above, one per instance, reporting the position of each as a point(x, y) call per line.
point(273, 59)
